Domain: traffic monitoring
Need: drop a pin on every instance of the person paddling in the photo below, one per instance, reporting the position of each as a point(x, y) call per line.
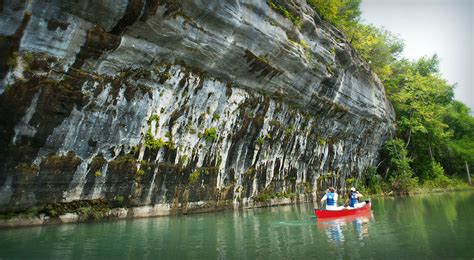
point(354, 199)
point(331, 199)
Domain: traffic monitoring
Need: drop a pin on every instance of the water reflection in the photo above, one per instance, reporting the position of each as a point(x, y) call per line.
point(357, 224)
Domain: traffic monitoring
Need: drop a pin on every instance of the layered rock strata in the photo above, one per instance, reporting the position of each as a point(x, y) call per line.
point(169, 107)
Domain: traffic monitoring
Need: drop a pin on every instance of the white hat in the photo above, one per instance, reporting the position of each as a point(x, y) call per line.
point(353, 189)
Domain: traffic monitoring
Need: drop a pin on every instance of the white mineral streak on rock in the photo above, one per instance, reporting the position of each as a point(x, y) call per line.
point(23, 128)
point(151, 188)
point(75, 187)
point(99, 183)
point(6, 191)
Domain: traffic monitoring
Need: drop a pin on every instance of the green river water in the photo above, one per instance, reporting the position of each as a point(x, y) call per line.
point(434, 226)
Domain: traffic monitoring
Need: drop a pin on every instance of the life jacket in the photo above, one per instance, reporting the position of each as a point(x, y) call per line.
point(353, 199)
point(330, 199)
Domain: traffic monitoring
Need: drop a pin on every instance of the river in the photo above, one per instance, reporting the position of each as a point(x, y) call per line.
point(423, 226)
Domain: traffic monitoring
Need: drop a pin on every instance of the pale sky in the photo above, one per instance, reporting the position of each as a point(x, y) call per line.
point(444, 27)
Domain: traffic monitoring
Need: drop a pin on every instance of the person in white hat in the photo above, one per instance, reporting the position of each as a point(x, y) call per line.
point(354, 199)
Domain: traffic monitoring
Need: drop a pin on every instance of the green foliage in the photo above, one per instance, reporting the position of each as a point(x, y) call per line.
point(341, 13)
point(427, 65)
point(156, 144)
point(403, 182)
point(194, 176)
point(435, 127)
point(443, 182)
point(373, 181)
point(304, 47)
point(304, 44)
point(260, 140)
point(94, 209)
point(125, 159)
point(460, 148)
point(290, 130)
point(281, 9)
point(321, 141)
point(263, 197)
point(182, 160)
point(152, 143)
point(378, 47)
point(119, 199)
point(267, 195)
point(135, 149)
point(154, 117)
point(140, 172)
point(28, 56)
point(438, 179)
point(437, 170)
point(12, 60)
point(307, 187)
point(210, 134)
point(401, 175)
point(350, 181)
point(420, 104)
point(301, 44)
point(397, 154)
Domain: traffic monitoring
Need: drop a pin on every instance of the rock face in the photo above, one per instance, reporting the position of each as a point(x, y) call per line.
point(180, 106)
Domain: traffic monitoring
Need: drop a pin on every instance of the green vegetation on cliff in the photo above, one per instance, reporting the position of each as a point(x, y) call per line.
point(434, 140)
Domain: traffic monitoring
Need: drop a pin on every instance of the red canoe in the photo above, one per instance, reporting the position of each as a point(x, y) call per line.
point(322, 213)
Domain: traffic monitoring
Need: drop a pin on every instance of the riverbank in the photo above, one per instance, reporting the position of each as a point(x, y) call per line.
point(98, 210)
point(95, 211)
point(424, 190)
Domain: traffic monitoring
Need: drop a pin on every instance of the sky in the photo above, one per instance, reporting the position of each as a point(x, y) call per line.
point(444, 27)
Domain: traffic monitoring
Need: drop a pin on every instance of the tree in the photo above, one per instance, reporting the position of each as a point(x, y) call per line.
point(342, 13)
point(401, 175)
point(460, 149)
point(378, 47)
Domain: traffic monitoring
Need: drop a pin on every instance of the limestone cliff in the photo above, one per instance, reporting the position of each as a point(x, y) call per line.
point(179, 106)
